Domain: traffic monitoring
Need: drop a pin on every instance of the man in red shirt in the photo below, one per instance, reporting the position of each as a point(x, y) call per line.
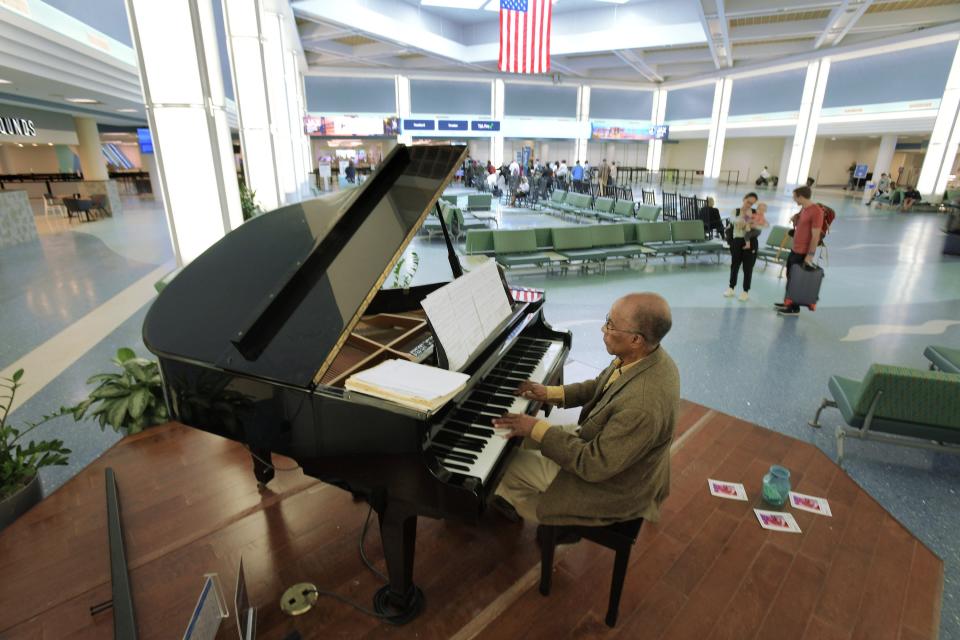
point(806, 238)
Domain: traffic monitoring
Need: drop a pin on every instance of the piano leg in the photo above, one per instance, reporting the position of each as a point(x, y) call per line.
point(262, 465)
point(400, 600)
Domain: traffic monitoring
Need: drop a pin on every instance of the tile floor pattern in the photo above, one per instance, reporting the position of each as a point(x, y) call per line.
point(888, 292)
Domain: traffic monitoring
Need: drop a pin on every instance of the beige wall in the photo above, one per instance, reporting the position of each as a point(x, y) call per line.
point(910, 162)
point(686, 154)
point(749, 155)
point(546, 150)
point(626, 154)
point(832, 158)
point(28, 159)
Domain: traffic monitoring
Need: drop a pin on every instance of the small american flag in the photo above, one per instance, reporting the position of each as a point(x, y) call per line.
point(525, 36)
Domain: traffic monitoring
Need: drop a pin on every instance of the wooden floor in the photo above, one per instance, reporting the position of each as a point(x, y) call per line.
point(707, 570)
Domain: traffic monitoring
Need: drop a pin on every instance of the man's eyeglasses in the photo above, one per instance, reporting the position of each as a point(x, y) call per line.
point(608, 326)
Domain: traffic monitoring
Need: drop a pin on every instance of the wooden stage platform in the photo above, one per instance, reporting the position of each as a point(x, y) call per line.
point(190, 506)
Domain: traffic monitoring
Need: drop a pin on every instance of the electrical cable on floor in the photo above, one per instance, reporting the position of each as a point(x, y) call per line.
point(363, 553)
point(264, 462)
point(360, 608)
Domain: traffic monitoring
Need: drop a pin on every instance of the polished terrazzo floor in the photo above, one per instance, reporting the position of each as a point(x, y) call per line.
point(888, 293)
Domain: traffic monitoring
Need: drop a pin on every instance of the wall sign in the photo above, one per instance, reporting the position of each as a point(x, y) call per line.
point(452, 125)
point(603, 130)
point(17, 127)
point(485, 125)
point(418, 125)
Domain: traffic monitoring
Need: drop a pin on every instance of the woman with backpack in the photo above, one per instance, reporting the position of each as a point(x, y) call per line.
point(742, 236)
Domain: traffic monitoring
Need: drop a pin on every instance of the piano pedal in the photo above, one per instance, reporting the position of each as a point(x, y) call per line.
point(263, 469)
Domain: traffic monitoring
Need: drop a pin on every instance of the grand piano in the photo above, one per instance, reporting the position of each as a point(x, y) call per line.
point(256, 337)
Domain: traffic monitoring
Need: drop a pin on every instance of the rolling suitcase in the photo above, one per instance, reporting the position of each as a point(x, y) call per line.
point(804, 286)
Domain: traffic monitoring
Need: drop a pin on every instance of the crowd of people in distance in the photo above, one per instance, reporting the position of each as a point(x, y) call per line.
point(517, 180)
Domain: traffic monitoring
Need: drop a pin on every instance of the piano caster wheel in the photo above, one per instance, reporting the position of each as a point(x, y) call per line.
point(398, 615)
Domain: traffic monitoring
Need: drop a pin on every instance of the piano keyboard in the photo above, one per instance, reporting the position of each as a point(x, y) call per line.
point(466, 443)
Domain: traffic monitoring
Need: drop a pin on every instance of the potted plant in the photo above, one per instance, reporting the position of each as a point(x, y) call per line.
point(128, 401)
point(20, 459)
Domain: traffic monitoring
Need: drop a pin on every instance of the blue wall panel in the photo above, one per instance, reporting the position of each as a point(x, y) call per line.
point(450, 98)
point(350, 95)
point(540, 100)
point(910, 74)
point(691, 103)
point(772, 93)
point(613, 104)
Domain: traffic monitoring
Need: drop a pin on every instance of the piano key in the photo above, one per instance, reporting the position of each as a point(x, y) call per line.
point(445, 452)
point(468, 429)
point(480, 414)
point(455, 467)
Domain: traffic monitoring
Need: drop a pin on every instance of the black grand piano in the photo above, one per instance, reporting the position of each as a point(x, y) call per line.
point(256, 337)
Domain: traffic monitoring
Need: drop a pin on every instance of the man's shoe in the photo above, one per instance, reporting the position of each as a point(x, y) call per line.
point(744, 297)
point(788, 312)
point(504, 508)
point(779, 305)
point(564, 537)
point(728, 293)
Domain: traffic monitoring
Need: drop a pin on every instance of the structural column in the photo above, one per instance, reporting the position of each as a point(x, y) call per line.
point(583, 121)
point(888, 145)
point(403, 107)
point(279, 97)
point(798, 168)
point(659, 112)
point(245, 44)
point(92, 164)
point(718, 130)
point(183, 94)
point(942, 150)
point(496, 142)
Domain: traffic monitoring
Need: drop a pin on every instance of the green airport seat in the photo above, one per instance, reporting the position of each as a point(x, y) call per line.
point(577, 204)
point(693, 235)
point(518, 248)
point(480, 242)
point(624, 208)
point(576, 244)
point(897, 405)
point(612, 240)
point(450, 198)
point(648, 212)
point(777, 246)
point(943, 358)
point(603, 209)
point(657, 236)
point(479, 202)
point(544, 237)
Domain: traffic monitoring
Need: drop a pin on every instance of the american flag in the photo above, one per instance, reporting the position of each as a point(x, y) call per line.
point(525, 36)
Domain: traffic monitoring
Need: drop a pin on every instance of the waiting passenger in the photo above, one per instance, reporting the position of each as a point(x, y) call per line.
point(743, 247)
point(351, 172)
point(910, 197)
point(710, 216)
point(764, 178)
point(521, 192)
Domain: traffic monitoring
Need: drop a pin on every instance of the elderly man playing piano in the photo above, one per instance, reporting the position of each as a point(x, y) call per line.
point(615, 465)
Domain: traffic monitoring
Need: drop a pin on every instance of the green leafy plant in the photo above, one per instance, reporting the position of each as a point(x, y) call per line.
point(403, 272)
point(21, 459)
point(130, 400)
point(248, 202)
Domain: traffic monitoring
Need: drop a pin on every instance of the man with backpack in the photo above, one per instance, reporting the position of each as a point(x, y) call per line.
point(809, 225)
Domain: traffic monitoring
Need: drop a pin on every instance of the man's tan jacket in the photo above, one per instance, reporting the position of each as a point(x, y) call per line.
point(618, 467)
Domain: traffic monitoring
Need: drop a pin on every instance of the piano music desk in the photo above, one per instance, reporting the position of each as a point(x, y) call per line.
point(707, 570)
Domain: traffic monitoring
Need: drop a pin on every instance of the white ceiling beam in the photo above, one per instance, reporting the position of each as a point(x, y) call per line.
point(770, 51)
point(635, 62)
point(852, 20)
point(677, 55)
point(724, 32)
point(830, 26)
point(887, 20)
point(708, 34)
point(776, 30)
point(562, 67)
point(840, 21)
point(321, 31)
point(747, 8)
point(683, 68)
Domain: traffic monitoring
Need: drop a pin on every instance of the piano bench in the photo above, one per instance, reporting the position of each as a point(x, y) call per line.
point(619, 537)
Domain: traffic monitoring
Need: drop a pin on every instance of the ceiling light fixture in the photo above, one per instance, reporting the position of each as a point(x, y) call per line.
point(2, 81)
point(126, 110)
point(35, 144)
point(49, 144)
point(83, 101)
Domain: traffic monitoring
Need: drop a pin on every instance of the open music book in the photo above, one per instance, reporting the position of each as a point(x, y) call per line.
point(413, 385)
point(466, 311)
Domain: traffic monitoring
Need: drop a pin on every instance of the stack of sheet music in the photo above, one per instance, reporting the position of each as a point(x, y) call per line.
point(417, 386)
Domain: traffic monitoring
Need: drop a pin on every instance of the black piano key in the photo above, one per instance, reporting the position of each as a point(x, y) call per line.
point(469, 429)
point(446, 452)
point(473, 418)
point(485, 399)
point(460, 442)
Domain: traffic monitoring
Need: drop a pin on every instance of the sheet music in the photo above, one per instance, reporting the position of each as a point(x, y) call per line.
point(466, 311)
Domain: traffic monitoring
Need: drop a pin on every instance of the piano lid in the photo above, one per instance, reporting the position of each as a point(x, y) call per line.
point(277, 297)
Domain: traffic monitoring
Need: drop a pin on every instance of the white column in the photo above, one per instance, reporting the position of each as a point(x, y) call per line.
point(784, 160)
point(942, 150)
point(798, 168)
point(583, 120)
point(274, 54)
point(179, 66)
point(659, 111)
point(888, 145)
point(245, 45)
point(718, 130)
point(496, 142)
point(403, 107)
point(92, 164)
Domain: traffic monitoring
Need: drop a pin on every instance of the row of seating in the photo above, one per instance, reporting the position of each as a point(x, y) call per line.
point(592, 244)
point(457, 223)
point(580, 206)
point(474, 201)
point(900, 405)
